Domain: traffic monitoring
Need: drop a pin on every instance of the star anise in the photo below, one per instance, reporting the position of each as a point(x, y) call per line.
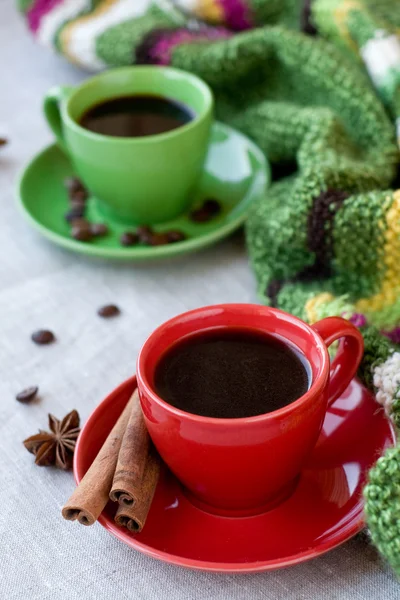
point(55, 448)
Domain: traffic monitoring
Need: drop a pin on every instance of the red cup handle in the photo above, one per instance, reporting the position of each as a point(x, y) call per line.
point(349, 354)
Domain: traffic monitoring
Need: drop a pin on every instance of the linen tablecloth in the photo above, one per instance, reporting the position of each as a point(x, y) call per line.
point(42, 556)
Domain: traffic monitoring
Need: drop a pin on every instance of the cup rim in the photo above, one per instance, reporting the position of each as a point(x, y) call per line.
point(199, 118)
point(314, 390)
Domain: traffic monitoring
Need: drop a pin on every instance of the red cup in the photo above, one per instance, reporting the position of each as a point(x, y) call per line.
point(245, 466)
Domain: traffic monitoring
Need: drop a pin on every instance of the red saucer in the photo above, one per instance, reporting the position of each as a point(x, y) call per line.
point(325, 510)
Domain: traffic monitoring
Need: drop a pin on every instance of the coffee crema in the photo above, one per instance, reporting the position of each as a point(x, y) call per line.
point(232, 373)
point(136, 116)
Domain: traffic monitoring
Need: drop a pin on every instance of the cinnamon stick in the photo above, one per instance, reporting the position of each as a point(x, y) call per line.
point(133, 516)
point(91, 496)
point(132, 458)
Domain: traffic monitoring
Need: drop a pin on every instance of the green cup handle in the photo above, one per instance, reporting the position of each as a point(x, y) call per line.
point(51, 107)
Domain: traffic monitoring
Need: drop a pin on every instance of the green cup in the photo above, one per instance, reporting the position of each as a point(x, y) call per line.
point(140, 180)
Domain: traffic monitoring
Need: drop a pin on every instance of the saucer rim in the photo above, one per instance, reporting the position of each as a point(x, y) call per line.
point(342, 536)
point(223, 227)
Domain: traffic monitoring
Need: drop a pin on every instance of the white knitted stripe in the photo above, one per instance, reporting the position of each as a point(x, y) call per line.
point(52, 21)
point(381, 54)
point(386, 378)
point(81, 44)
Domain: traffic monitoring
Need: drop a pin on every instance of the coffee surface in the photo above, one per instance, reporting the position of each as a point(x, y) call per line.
point(232, 374)
point(136, 116)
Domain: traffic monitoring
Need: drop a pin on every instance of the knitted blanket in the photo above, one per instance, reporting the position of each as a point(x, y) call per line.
point(323, 105)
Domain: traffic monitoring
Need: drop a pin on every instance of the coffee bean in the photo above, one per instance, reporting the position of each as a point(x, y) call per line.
point(81, 222)
point(43, 336)
point(144, 230)
point(175, 236)
point(212, 206)
point(209, 209)
point(77, 212)
point(78, 196)
point(129, 238)
point(77, 203)
point(109, 310)
point(81, 231)
point(145, 233)
point(200, 215)
point(27, 395)
point(98, 229)
point(157, 239)
point(73, 184)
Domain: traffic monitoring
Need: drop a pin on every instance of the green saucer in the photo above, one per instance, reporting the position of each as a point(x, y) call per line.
point(235, 173)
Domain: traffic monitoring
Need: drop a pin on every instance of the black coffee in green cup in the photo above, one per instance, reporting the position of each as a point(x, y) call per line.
point(136, 116)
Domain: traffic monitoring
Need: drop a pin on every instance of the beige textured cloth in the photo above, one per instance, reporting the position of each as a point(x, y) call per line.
point(42, 556)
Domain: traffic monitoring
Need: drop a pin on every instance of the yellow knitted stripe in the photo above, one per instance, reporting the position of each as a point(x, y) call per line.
point(340, 16)
point(210, 10)
point(390, 288)
point(313, 304)
point(67, 32)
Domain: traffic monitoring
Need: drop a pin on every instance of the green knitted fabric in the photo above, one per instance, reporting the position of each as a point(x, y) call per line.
point(382, 496)
point(362, 26)
point(116, 43)
point(338, 137)
point(325, 238)
point(377, 349)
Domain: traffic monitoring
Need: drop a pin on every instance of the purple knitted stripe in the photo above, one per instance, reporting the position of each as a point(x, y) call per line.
point(157, 47)
point(393, 335)
point(38, 10)
point(358, 319)
point(237, 14)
